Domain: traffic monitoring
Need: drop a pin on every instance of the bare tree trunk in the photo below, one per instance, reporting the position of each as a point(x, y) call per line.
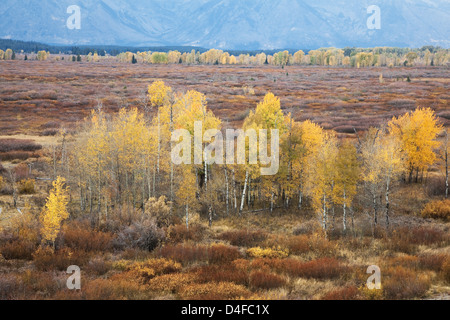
point(243, 193)
point(300, 198)
point(187, 216)
point(227, 200)
point(375, 211)
point(234, 192)
point(210, 215)
point(271, 202)
point(206, 176)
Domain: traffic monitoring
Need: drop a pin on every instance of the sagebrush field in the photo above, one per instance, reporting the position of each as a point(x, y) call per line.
point(87, 180)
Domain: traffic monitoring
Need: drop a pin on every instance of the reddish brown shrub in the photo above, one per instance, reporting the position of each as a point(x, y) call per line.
point(113, 289)
point(243, 238)
point(98, 266)
point(171, 283)
point(222, 273)
point(39, 284)
point(400, 283)
point(10, 286)
point(18, 249)
point(433, 262)
point(265, 280)
point(17, 155)
point(81, 237)
point(446, 270)
point(299, 244)
point(347, 293)
point(223, 254)
point(179, 233)
point(185, 253)
point(18, 145)
point(324, 268)
point(47, 260)
point(214, 291)
point(406, 239)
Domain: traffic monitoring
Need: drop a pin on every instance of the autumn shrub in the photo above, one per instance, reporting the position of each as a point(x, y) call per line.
point(259, 252)
point(18, 249)
point(446, 270)
point(437, 210)
point(180, 233)
point(346, 293)
point(406, 239)
point(298, 244)
point(41, 284)
point(220, 253)
point(147, 270)
point(18, 144)
point(265, 280)
point(185, 253)
point(171, 283)
point(243, 238)
point(433, 262)
point(26, 186)
point(98, 266)
point(406, 261)
point(135, 254)
point(213, 291)
point(323, 268)
point(159, 209)
point(113, 289)
point(10, 286)
point(143, 235)
point(400, 283)
point(221, 273)
point(46, 259)
point(79, 236)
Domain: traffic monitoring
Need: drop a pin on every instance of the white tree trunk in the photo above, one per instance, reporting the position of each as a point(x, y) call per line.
point(243, 193)
point(227, 191)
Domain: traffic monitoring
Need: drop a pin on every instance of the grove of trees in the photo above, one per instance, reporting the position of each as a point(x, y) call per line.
point(123, 160)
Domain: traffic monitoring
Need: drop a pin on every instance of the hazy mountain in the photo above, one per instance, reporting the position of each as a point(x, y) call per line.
point(230, 24)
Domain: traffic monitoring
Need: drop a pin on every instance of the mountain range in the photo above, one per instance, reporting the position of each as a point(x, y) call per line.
point(229, 24)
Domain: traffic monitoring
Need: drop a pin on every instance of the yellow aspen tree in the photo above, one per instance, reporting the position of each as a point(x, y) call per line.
point(312, 140)
point(186, 193)
point(393, 166)
point(193, 108)
point(346, 178)
point(292, 149)
point(159, 95)
point(371, 169)
point(417, 131)
point(321, 176)
point(267, 116)
point(55, 211)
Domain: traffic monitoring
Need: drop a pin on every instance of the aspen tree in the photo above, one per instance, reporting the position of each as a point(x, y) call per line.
point(55, 211)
